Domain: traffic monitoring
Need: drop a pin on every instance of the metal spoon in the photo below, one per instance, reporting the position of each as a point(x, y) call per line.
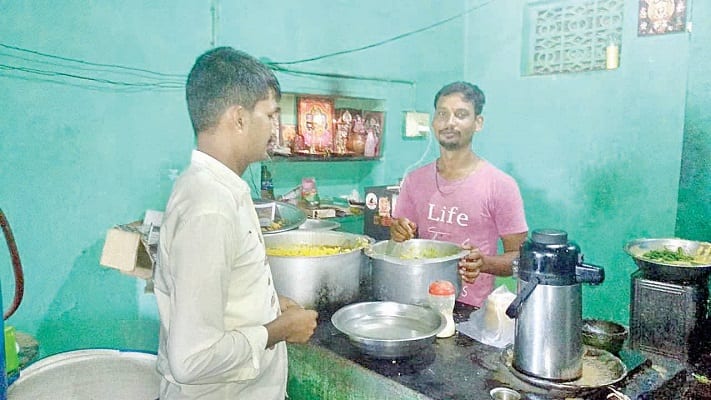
point(393, 249)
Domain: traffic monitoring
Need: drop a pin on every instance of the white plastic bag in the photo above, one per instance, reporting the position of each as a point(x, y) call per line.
point(490, 324)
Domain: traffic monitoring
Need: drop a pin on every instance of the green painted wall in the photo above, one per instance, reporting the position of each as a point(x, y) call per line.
point(78, 156)
point(694, 214)
point(598, 154)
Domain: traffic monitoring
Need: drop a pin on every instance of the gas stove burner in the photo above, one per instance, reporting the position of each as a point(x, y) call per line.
point(669, 317)
point(600, 369)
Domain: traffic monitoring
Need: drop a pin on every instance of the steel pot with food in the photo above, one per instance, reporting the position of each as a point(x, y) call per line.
point(405, 276)
point(318, 269)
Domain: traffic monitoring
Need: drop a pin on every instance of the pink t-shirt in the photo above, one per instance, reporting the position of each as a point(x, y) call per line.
point(475, 210)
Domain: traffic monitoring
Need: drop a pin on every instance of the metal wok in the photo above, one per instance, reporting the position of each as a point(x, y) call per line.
point(667, 271)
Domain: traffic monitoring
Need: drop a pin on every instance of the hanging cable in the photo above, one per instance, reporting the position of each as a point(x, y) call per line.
point(16, 265)
point(382, 42)
point(116, 66)
point(338, 76)
point(82, 68)
point(176, 81)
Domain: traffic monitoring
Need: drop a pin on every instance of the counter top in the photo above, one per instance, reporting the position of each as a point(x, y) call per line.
point(453, 368)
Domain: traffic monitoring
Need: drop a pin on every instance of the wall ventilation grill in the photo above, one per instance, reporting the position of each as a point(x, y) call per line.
point(569, 36)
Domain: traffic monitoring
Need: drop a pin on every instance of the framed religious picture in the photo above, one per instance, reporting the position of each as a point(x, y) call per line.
point(314, 133)
point(287, 135)
point(373, 123)
point(345, 117)
point(657, 17)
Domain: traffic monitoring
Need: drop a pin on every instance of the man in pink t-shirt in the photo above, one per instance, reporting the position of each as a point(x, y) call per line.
point(461, 198)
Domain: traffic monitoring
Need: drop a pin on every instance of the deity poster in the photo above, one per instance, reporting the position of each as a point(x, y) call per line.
point(315, 125)
point(657, 17)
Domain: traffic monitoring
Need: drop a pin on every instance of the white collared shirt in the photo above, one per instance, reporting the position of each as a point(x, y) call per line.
point(215, 292)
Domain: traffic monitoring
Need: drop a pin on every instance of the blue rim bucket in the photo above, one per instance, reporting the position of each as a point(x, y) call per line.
point(89, 374)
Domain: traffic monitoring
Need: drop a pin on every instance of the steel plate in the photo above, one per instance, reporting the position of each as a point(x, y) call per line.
point(319, 225)
point(288, 215)
point(600, 369)
point(386, 329)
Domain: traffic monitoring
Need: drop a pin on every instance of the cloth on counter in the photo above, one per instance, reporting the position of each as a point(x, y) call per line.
point(490, 324)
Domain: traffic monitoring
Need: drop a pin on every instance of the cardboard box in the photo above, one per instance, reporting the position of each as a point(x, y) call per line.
point(321, 213)
point(126, 249)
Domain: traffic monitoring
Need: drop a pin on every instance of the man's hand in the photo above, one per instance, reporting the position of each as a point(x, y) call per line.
point(402, 229)
point(470, 266)
point(286, 303)
point(302, 324)
point(294, 325)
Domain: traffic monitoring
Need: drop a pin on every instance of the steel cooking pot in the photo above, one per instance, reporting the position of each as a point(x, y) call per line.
point(407, 278)
point(319, 282)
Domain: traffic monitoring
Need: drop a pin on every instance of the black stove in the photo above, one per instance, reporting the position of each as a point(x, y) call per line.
point(669, 315)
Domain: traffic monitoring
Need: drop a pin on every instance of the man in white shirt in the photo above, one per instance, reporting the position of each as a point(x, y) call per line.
point(223, 328)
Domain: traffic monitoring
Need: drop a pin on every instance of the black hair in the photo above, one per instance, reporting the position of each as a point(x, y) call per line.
point(470, 92)
point(223, 77)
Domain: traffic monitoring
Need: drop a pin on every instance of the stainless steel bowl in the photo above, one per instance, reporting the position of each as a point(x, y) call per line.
point(287, 215)
point(386, 329)
point(407, 280)
point(664, 271)
point(606, 335)
point(504, 393)
point(319, 225)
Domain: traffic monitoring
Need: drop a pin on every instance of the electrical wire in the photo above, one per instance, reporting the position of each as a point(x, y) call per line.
point(385, 41)
point(74, 60)
point(75, 76)
point(158, 81)
point(77, 67)
point(77, 85)
point(37, 66)
point(338, 76)
point(419, 162)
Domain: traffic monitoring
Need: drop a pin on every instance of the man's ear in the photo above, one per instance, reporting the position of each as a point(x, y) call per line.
point(479, 122)
point(237, 117)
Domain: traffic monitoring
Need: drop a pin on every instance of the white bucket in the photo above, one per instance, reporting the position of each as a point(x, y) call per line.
point(89, 374)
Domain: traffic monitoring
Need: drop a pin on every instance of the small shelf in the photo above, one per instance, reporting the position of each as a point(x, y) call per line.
point(324, 157)
point(329, 128)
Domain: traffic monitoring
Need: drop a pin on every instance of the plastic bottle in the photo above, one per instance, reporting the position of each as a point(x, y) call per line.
point(370, 143)
point(442, 297)
point(267, 185)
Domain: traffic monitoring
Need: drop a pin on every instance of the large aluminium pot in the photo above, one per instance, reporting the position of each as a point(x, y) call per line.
point(406, 278)
point(319, 282)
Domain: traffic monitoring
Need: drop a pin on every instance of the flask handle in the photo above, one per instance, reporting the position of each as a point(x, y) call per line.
point(514, 308)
